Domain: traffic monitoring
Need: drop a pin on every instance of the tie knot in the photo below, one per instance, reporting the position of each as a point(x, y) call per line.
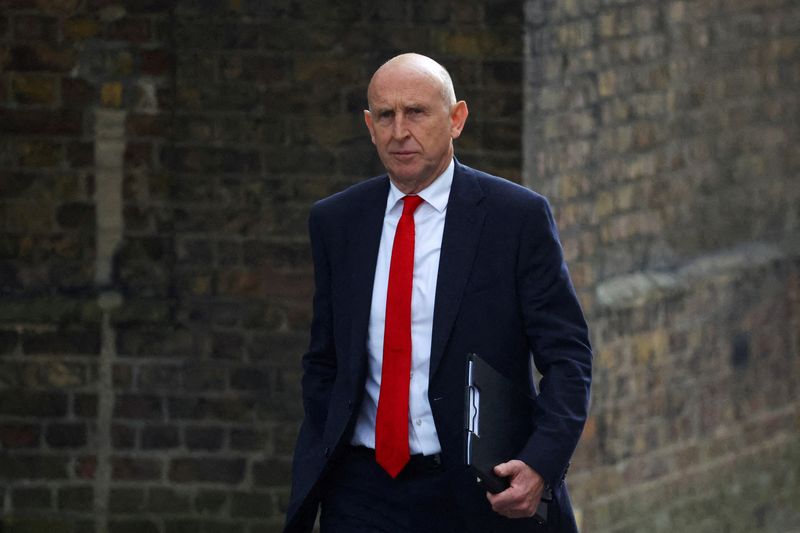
point(410, 204)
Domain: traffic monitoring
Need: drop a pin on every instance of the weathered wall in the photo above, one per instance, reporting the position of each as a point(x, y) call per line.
point(157, 163)
point(667, 136)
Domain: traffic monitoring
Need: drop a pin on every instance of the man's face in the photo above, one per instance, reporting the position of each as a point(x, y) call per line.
point(412, 126)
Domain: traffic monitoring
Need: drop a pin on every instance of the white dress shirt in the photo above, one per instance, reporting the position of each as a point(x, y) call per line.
point(429, 227)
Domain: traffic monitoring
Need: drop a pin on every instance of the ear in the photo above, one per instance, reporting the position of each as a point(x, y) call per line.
point(458, 117)
point(370, 127)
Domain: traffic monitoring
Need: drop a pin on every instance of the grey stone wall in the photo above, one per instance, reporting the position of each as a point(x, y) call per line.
point(667, 136)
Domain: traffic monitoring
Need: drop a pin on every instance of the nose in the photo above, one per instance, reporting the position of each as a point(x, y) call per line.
point(399, 130)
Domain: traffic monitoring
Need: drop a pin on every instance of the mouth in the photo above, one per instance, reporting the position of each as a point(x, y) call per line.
point(403, 155)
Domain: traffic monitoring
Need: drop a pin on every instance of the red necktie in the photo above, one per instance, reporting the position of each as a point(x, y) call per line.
point(391, 423)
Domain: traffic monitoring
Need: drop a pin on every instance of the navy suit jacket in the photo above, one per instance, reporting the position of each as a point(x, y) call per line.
point(503, 292)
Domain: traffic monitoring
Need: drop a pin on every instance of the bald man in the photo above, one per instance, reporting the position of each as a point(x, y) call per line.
point(414, 270)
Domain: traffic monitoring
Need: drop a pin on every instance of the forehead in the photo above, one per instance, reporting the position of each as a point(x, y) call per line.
point(404, 85)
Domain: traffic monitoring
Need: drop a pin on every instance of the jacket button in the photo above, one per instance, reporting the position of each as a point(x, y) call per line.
point(350, 405)
point(327, 452)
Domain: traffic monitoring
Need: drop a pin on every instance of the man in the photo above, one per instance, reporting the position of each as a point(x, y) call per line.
point(413, 271)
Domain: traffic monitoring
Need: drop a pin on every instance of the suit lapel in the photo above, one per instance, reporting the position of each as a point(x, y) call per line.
point(365, 236)
point(462, 229)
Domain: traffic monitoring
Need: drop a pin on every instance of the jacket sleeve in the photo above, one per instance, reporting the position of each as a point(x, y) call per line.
point(558, 336)
point(319, 373)
point(319, 362)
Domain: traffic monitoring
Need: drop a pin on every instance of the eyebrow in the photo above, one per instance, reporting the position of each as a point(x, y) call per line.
point(411, 105)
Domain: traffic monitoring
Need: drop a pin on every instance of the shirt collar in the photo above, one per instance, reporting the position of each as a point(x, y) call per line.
point(436, 194)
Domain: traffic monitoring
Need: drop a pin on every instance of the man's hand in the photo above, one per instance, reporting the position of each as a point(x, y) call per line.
point(522, 497)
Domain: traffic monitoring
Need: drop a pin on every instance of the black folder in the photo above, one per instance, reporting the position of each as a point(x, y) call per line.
point(498, 420)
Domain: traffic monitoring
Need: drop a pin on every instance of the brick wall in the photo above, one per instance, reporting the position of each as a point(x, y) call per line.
point(667, 136)
point(157, 163)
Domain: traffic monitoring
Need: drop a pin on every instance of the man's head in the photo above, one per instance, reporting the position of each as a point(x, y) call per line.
point(413, 117)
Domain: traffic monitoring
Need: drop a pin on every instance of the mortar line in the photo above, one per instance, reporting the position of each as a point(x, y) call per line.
point(108, 158)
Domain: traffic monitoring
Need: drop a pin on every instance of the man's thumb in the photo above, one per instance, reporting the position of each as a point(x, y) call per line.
point(502, 470)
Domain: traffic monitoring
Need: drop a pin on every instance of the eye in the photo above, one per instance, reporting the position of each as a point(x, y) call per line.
point(385, 115)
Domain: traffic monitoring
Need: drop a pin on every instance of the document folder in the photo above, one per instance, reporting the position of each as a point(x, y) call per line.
point(498, 422)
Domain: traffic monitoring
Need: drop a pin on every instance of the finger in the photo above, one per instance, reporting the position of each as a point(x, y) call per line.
point(509, 468)
point(502, 470)
point(509, 499)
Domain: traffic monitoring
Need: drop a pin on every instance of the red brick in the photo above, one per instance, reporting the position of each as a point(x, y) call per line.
point(207, 469)
point(137, 406)
point(76, 92)
point(135, 469)
point(156, 62)
point(61, 435)
point(146, 125)
point(18, 435)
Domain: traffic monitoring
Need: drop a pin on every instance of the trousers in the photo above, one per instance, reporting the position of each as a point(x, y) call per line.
point(360, 497)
